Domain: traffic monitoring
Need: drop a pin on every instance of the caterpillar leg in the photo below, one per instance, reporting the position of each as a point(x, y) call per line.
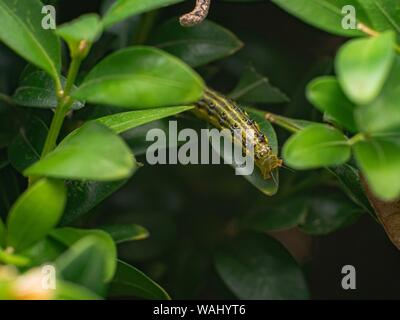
point(197, 15)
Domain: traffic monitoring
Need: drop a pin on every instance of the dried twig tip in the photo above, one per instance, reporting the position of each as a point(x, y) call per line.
point(196, 16)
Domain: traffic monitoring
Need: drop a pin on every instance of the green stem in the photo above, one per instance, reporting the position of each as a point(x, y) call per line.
point(355, 139)
point(282, 122)
point(64, 104)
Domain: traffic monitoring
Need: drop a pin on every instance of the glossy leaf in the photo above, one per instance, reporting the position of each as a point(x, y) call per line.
point(350, 179)
point(92, 152)
point(122, 9)
point(325, 14)
point(383, 114)
point(126, 232)
point(131, 282)
point(363, 66)
point(87, 27)
point(379, 160)
point(328, 213)
point(35, 213)
point(280, 217)
point(197, 45)
point(326, 94)
point(384, 14)
point(84, 264)
point(36, 89)
point(141, 77)
point(121, 122)
point(316, 146)
point(27, 145)
point(255, 88)
point(21, 29)
point(71, 236)
point(83, 196)
point(257, 267)
point(70, 291)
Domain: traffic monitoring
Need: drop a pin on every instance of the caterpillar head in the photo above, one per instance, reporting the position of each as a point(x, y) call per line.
point(267, 162)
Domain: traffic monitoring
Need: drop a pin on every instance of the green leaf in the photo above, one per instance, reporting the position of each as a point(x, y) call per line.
point(43, 252)
point(27, 145)
point(121, 122)
point(21, 29)
point(70, 291)
point(123, 9)
point(290, 124)
point(257, 267)
point(363, 66)
point(2, 234)
point(316, 146)
point(326, 95)
point(131, 282)
point(83, 196)
point(283, 216)
point(325, 14)
point(37, 89)
point(71, 236)
point(126, 232)
point(85, 263)
point(87, 27)
point(92, 152)
point(350, 179)
point(379, 160)
point(328, 213)
point(383, 113)
point(141, 77)
point(198, 45)
point(35, 213)
point(384, 14)
point(255, 88)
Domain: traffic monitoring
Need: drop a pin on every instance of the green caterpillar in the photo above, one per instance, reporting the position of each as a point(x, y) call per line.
point(224, 113)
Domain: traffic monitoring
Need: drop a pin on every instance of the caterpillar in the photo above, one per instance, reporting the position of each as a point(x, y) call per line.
point(224, 113)
point(197, 15)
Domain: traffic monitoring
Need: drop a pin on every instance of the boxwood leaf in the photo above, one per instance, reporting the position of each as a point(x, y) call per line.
point(70, 236)
point(35, 213)
point(83, 196)
point(328, 213)
point(257, 267)
point(28, 144)
point(126, 232)
point(197, 45)
point(131, 282)
point(379, 160)
point(85, 264)
point(384, 14)
point(141, 77)
point(92, 152)
point(21, 29)
point(363, 66)
point(87, 27)
point(326, 95)
point(383, 113)
point(255, 88)
point(124, 121)
point(316, 146)
point(123, 9)
point(325, 14)
point(36, 89)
